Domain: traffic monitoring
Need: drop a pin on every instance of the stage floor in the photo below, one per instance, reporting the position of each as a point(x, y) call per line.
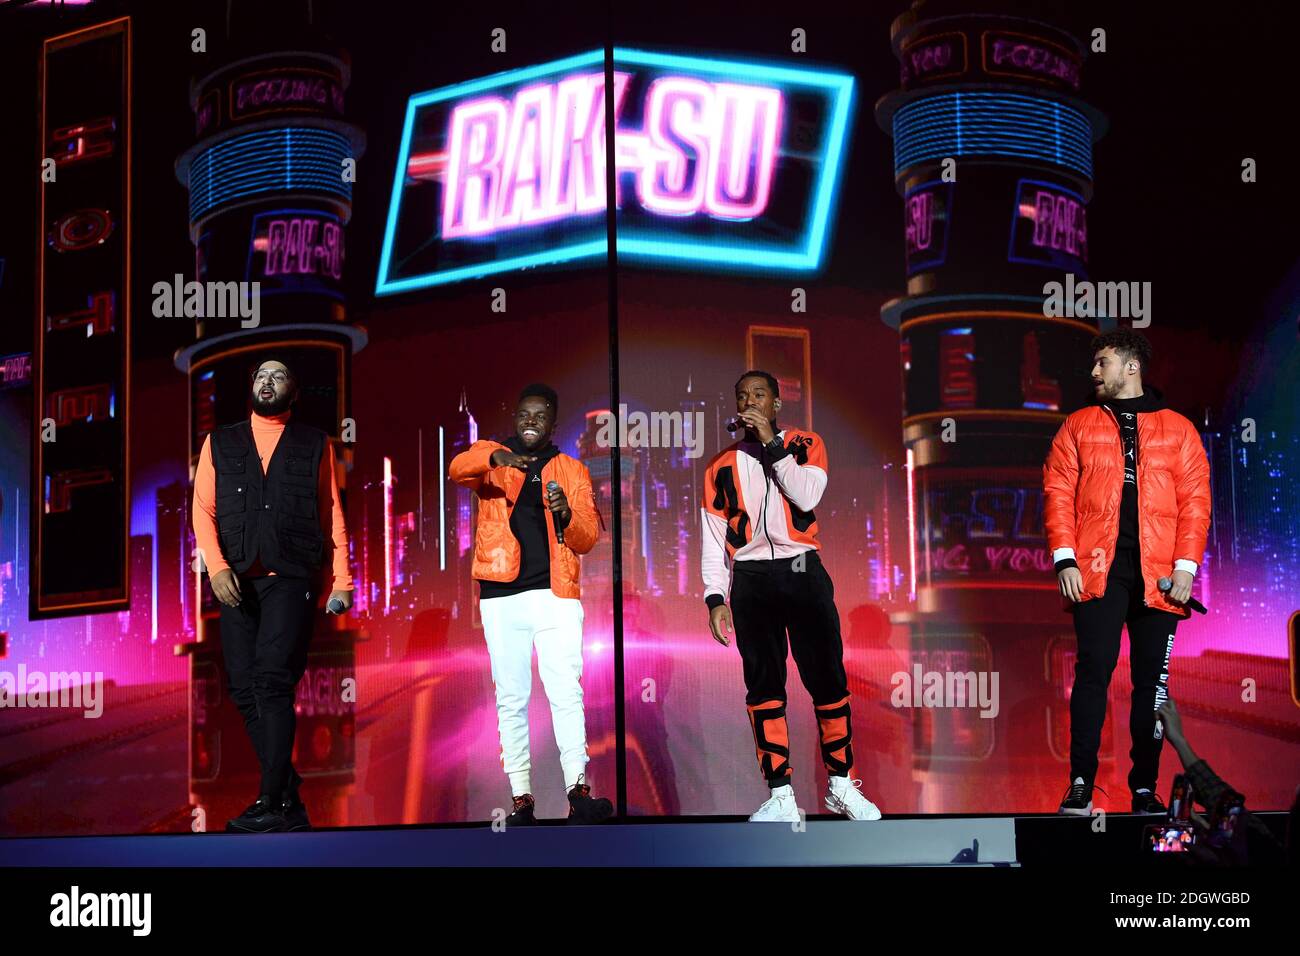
point(905, 841)
point(909, 841)
point(818, 843)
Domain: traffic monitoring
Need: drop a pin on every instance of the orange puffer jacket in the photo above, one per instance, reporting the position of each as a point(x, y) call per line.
point(496, 549)
point(1083, 481)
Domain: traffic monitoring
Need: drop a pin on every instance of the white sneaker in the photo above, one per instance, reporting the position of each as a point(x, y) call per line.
point(845, 796)
point(779, 807)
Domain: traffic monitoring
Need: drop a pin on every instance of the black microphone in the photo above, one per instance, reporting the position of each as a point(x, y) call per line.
point(335, 606)
point(1164, 584)
point(559, 532)
point(735, 423)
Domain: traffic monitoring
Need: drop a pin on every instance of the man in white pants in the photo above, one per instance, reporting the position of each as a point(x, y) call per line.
point(536, 515)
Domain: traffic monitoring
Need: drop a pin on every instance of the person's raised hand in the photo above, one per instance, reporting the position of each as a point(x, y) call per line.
point(503, 457)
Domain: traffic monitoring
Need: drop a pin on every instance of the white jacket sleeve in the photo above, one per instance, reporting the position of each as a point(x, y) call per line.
point(714, 565)
point(802, 484)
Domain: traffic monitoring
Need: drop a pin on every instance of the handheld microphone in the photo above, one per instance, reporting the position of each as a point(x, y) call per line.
point(559, 532)
point(1164, 584)
point(734, 424)
point(335, 606)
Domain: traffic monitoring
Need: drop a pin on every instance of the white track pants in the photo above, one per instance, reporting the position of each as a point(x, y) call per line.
point(513, 625)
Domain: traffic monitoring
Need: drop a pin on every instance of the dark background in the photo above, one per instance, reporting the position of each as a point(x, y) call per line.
point(1189, 91)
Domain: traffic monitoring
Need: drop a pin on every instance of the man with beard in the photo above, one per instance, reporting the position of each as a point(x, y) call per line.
point(267, 519)
point(1126, 502)
point(536, 515)
point(758, 517)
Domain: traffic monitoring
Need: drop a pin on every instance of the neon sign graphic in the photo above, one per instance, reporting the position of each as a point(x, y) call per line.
point(509, 171)
point(706, 148)
point(296, 250)
point(927, 211)
point(1049, 226)
point(15, 370)
point(293, 247)
point(980, 532)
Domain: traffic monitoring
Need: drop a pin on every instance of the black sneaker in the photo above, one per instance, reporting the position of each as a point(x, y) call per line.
point(522, 815)
point(262, 816)
point(1078, 799)
point(294, 812)
point(1146, 802)
point(584, 808)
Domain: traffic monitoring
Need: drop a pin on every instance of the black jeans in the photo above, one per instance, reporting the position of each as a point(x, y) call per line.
point(1097, 625)
point(796, 596)
point(264, 642)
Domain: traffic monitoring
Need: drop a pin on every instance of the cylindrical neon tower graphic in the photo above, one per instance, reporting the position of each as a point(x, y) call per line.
point(270, 184)
point(993, 160)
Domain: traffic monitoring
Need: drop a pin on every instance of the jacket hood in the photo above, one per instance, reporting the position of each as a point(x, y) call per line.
point(1151, 400)
point(544, 454)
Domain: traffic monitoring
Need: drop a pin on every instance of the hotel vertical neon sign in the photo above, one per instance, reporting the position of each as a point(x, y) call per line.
point(509, 171)
point(80, 526)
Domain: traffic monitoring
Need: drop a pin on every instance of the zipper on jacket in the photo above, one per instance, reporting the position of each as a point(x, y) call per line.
point(767, 484)
point(548, 515)
point(1137, 499)
point(1137, 494)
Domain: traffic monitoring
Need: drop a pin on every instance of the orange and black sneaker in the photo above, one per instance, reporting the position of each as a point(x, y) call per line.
point(522, 815)
point(584, 808)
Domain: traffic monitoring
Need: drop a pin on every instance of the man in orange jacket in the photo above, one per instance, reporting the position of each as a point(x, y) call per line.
point(1126, 503)
point(536, 515)
point(269, 523)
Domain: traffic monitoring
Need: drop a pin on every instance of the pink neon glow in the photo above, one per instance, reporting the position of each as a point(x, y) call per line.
point(523, 196)
point(920, 222)
point(1059, 223)
point(539, 158)
point(472, 178)
point(706, 148)
point(911, 524)
point(672, 182)
point(748, 122)
point(388, 534)
point(427, 166)
point(303, 246)
point(17, 368)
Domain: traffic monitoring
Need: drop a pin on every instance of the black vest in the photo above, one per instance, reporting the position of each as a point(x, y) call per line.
point(276, 517)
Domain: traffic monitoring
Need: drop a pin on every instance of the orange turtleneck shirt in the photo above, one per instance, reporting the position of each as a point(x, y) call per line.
point(266, 434)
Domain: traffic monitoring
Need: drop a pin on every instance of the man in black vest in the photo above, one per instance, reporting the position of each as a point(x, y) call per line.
point(268, 521)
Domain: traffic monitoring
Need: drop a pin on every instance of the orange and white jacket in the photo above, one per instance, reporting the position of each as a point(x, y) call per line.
point(750, 515)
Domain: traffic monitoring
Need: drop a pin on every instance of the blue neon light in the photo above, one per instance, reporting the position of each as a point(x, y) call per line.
point(804, 254)
point(978, 123)
point(268, 161)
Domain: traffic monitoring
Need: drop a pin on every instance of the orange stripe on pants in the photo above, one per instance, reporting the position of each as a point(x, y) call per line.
point(835, 727)
point(771, 740)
